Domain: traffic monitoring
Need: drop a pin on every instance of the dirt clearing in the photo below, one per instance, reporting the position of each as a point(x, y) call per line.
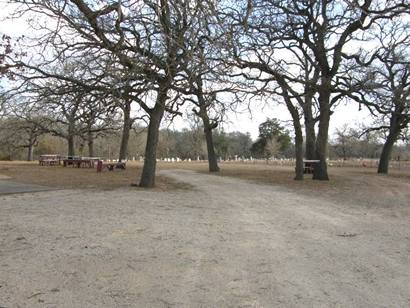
point(224, 243)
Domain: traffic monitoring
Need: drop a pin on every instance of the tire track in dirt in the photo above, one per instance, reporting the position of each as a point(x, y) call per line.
point(320, 243)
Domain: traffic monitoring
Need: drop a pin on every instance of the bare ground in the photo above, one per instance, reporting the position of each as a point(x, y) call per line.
point(224, 243)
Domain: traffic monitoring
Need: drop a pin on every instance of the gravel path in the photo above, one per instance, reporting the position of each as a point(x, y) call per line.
point(226, 243)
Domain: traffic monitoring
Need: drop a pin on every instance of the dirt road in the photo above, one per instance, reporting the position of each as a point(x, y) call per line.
point(226, 243)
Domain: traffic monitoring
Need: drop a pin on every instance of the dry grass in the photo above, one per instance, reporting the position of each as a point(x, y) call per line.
point(358, 184)
point(81, 178)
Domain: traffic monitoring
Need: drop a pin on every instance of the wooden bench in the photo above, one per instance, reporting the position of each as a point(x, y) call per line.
point(49, 160)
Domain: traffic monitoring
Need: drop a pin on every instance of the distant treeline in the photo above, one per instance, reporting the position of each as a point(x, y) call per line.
point(191, 144)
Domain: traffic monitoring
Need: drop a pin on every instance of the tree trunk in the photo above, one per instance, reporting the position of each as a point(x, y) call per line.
point(385, 156)
point(150, 159)
point(90, 141)
point(298, 134)
point(125, 136)
point(71, 145)
point(344, 150)
point(90, 147)
point(310, 133)
point(30, 152)
point(212, 160)
point(70, 137)
point(298, 151)
point(308, 116)
point(208, 126)
point(320, 169)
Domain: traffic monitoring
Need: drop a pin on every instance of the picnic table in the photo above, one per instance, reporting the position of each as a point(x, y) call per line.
point(49, 160)
point(110, 165)
point(80, 162)
point(309, 165)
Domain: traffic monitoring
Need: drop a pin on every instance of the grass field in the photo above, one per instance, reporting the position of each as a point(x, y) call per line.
point(80, 178)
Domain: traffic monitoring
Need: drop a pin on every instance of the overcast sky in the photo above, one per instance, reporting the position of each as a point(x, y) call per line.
point(246, 122)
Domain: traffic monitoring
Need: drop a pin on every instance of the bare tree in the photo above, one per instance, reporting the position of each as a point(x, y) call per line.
point(62, 110)
point(96, 120)
point(206, 82)
point(20, 133)
point(281, 36)
point(384, 84)
point(7, 56)
point(343, 135)
point(145, 38)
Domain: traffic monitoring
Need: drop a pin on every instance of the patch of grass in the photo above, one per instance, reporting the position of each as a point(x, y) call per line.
point(82, 178)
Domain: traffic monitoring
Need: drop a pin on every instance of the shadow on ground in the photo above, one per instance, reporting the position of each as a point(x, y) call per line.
point(10, 187)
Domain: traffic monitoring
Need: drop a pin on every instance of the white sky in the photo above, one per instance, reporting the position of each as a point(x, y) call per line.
point(9, 26)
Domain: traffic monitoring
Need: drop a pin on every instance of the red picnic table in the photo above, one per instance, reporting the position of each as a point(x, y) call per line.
point(80, 162)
